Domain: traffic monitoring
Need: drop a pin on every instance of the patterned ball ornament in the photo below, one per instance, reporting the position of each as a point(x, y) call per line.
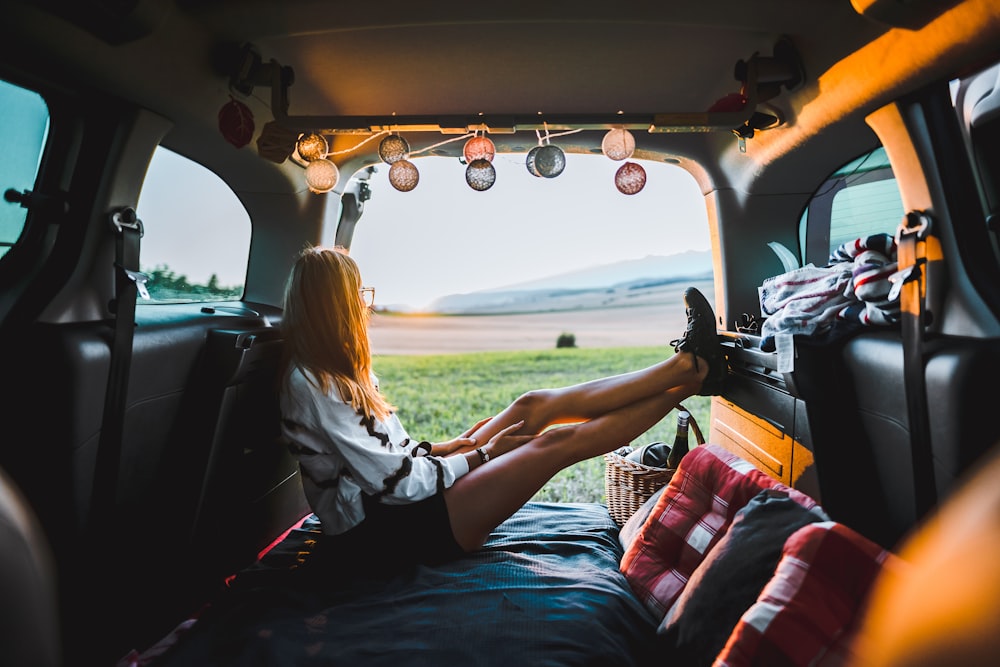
point(403, 175)
point(529, 161)
point(618, 144)
point(393, 149)
point(479, 148)
point(480, 174)
point(321, 175)
point(550, 161)
point(312, 147)
point(630, 178)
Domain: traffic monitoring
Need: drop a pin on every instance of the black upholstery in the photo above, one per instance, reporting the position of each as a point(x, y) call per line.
point(189, 425)
point(29, 619)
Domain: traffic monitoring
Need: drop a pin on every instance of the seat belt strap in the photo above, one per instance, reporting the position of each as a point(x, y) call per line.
point(128, 282)
point(910, 284)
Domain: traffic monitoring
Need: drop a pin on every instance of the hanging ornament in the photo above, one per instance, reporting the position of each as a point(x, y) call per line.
point(478, 148)
point(480, 174)
point(618, 144)
point(403, 175)
point(529, 161)
point(321, 175)
point(275, 143)
point(550, 161)
point(630, 178)
point(312, 146)
point(236, 122)
point(393, 149)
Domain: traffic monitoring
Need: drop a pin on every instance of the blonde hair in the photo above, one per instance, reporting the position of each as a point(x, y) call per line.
point(326, 328)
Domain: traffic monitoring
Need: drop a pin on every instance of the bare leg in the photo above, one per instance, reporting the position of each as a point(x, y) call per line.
point(488, 495)
point(588, 400)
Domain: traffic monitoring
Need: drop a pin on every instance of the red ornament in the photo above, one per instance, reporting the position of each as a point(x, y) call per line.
point(236, 122)
point(478, 148)
point(630, 178)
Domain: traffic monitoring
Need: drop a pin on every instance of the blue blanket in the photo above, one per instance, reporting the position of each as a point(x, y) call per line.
point(544, 590)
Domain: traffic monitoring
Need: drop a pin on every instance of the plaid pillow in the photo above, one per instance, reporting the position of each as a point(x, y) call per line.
point(695, 510)
point(808, 612)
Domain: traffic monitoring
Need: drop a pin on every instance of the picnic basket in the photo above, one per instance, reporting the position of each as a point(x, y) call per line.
point(628, 484)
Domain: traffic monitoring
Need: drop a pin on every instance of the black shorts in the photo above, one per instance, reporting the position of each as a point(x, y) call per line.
point(392, 536)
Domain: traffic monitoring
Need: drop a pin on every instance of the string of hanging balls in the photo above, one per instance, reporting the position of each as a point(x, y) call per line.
point(545, 160)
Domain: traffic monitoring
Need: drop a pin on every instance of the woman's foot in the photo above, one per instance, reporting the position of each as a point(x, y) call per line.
point(701, 339)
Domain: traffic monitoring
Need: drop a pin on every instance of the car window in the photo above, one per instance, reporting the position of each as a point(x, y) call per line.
point(196, 232)
point(859, 199)
point(24, 126)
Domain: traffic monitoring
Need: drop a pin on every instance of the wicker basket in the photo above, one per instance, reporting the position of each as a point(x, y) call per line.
point(628, 484)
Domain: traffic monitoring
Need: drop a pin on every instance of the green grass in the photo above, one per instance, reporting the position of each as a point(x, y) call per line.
point(440, 396)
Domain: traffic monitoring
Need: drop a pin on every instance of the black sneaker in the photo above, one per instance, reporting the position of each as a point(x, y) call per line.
point(701, 339)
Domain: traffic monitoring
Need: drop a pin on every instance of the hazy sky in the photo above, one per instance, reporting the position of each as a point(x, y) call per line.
point(443, 237)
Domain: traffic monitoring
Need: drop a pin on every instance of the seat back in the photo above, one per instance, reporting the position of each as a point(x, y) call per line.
point(29, 618)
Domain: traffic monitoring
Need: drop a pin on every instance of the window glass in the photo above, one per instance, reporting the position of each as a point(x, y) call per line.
point(24, 126)
point(859, 199)
point(196, 232)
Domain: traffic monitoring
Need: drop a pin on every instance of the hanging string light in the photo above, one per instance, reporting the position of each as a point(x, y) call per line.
point(479, 147)
point(403, 175)
point(480, 174)
point(550, 161)
point(618, 144)
point(393, 148)
point(312, 146)
point(529, 161)
point(321, 175)
point(630, 178)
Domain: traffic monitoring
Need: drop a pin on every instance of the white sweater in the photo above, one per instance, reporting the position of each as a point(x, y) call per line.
point(342, 454)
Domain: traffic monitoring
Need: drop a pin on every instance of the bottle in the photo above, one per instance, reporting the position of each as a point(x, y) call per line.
point(680, 446)
point(656, 454)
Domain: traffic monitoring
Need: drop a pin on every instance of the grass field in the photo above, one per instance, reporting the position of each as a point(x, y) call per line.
point(440, 395)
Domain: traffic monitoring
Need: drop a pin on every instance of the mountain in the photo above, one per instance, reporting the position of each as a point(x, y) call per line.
point(651, 279)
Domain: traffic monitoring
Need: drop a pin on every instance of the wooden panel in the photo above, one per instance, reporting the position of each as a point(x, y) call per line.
point(752, 438)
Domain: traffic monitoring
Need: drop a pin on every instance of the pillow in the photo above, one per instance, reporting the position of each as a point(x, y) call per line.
point(731, 577)
point(810, 609)
point(630, 529)
point(693, 513)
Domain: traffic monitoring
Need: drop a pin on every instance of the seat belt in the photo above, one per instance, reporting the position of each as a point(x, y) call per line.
point(910, 284)
point(128, 282)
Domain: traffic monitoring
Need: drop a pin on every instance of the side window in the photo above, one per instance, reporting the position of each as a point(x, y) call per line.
point(858, 200)
point(24, 126)
point(196, 232)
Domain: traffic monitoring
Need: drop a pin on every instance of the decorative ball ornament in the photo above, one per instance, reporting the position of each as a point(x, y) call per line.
point(529, 161)
point(478, 148)
point(403, 175)
point(393, 149)
point(618, 144)
point(312, 146)
point(236, 122)
point(480, 174)
point(630, 178)
point(321, 175)
point(550, 161)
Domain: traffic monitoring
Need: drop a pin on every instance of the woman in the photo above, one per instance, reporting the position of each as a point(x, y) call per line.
point(380, 496)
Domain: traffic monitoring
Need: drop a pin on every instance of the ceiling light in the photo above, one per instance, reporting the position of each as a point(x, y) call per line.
point(630, 178)
point(312, 146)
point(618, 144)
point(403, 175)
point(393, 149)
point(321, 175)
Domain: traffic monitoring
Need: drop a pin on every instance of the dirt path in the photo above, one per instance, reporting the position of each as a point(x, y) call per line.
point(618, 327)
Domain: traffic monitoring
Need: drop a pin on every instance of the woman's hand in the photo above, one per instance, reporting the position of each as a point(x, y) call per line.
point(461, 444)
point(505, 441)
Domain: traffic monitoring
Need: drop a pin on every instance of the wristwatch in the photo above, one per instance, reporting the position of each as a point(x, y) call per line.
point(483, 456)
